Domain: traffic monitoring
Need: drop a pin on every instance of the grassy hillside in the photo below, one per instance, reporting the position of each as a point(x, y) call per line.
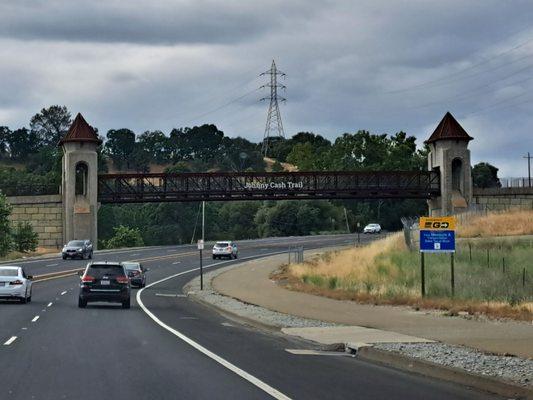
point(492, 275)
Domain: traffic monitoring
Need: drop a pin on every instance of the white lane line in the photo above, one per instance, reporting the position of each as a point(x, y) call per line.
point(49, 304)
point(10, 340)
point(243, 374)
point(63, 293)
point(166, 295)
point(176, 262)
point(51, 265)
point(35, 318)
point(136, 254)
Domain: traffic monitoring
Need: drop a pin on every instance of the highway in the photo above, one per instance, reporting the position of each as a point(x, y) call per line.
point(173, 347)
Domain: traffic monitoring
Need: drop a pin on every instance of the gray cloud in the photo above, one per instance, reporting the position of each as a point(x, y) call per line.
point(350, 65)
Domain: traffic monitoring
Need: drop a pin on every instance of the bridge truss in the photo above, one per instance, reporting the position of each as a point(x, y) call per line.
point(226, 186)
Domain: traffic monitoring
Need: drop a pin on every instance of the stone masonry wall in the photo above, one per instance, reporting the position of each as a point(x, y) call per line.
point(504, 198)
point(45, 213)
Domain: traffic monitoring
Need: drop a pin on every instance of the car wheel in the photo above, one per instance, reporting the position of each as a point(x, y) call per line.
point(236, 255)
point(126, 304)
point(214, 258)
point(91, 255)
point(64, 257)
point(24, 299)
point(82, 303)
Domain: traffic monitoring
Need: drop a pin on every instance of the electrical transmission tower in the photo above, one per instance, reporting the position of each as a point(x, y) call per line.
point(273, 122)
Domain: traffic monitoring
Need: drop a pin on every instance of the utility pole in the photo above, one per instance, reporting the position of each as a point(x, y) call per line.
point(201, 248)
point(273, 122)
point(346, 217)
point(528, 167)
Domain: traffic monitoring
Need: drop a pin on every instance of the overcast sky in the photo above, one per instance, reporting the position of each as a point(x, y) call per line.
point(383, 66)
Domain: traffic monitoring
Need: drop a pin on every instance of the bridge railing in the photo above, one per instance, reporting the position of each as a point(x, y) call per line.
point(25, 189)
point(130, 188)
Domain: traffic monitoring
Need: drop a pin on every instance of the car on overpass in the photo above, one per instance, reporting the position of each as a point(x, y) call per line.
point(78, 249)
point(104, 281)
point(15, 284)
point(226, 249)
point(372, 228)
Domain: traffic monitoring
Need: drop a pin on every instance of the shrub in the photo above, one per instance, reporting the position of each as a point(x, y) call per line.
point(125, 237)
point(24, 237)
point(5, 227)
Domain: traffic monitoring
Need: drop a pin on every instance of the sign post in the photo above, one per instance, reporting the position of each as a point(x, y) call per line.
point(201, 248)
point(437, 235)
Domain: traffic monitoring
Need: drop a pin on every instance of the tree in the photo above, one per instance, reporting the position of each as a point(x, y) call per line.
point(24, 237)
point(22, 142)
point(236, 219)
point(5, 132)
point(125, 237)
point(51, 124)
point(156, 144)
point(200, 142)
point(485, 175)
point(5, 227)
point(120, 146)
point(303, 156)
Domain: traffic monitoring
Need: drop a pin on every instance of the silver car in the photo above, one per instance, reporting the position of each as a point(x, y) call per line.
point(225, 249)
point(15, 284)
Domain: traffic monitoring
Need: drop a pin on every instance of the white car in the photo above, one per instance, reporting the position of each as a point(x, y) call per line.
point(372, 228)
point(15, 284)
point(225, 249)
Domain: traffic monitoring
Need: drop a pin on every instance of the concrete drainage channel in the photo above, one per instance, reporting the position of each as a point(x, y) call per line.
point(388, 354)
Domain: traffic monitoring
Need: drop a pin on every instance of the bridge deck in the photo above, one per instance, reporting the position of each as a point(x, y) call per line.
point(225, 186)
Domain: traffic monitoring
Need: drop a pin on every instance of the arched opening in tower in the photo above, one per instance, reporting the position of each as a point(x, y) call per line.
point(457, 175)
point(82, 175)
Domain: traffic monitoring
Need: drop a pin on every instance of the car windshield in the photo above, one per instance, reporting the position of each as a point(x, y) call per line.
point(98, 271)
point(75, 243)
point(9, 272)
point(132, 266)
point(222, 244)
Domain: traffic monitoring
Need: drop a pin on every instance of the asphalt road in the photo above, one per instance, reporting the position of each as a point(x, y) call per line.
point(175, 348)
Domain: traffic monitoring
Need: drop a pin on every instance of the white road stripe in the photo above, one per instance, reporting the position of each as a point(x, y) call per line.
point(35, 318)
point(243, 374)
point(49, 304)
point(176, 262)
point(51, 265)
point(63, 293)
point(11, 340)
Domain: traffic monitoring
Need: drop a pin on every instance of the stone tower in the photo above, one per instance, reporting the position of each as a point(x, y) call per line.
point(449, 155)
point(80, 181)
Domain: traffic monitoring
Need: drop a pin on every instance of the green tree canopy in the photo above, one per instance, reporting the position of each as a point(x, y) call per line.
point(485, 175)
point(51, 124)
point(5, 226)
point(120, 145)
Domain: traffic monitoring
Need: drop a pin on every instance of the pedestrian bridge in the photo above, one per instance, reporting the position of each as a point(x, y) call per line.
point(227, 186)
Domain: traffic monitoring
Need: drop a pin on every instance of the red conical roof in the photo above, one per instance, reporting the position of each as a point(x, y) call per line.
point(449, 128)
point(80, 131)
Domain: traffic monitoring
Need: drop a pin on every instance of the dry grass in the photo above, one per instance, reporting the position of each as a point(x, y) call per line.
point(514, 222)
point(15, 255)
point(491, 309)
point(386, 272)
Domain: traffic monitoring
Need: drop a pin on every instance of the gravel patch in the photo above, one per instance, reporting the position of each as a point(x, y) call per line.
point(515, 369)
point(245, 310)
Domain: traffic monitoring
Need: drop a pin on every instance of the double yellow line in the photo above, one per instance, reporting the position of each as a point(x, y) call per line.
point(71, 272)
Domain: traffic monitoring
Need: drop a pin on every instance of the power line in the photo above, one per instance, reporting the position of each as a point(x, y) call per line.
point(222, 106)
point(273, 122)
point(461, 71)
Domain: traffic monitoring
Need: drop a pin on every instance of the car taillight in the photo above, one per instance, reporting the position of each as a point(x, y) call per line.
point(17, 282)
point(87, 278)
point(122, 279)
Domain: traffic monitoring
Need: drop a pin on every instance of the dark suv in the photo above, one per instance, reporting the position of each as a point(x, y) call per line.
point(105, 281)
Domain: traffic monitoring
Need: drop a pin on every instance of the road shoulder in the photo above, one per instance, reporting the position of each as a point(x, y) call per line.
point(246, 292)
